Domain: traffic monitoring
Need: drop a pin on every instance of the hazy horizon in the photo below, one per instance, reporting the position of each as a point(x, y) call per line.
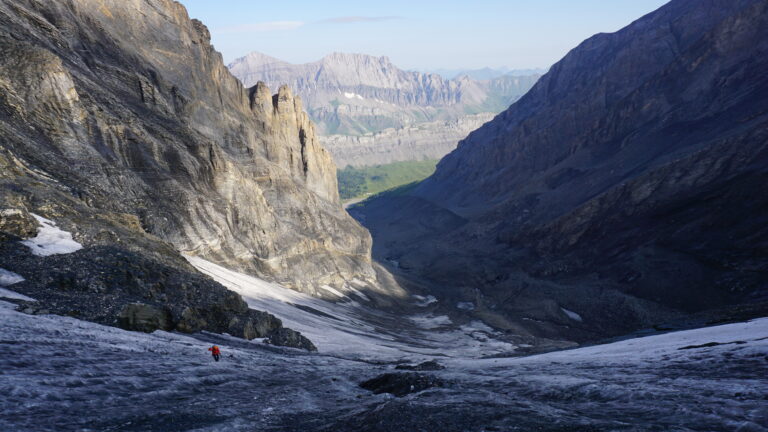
point(428, 36)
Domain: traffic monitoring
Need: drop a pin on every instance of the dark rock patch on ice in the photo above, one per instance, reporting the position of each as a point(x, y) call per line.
point(118, 287)
point(401, 384)
point(145, 318)
point(290, 338)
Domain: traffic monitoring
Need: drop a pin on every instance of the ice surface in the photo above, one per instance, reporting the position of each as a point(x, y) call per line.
point(51, 240)
point(650, 349)
point(59, 373)
point(467, 306)
point(424, 301)
point(480, 326)
point(8, 294)
point(353, 330)
point(8, 278)
point(63, 374)
point(571, 314)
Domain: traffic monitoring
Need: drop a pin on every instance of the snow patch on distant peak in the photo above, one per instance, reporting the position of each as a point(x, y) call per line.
point(8, 278)
point(572, 315)
point(51, 240)
point(353, 96)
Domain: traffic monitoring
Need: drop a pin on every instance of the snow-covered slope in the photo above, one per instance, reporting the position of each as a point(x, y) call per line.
point(62, 374)
point(351, 329)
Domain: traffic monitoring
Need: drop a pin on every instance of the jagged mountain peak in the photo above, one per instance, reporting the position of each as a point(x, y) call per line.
point(257, 58)
point(355, 58)
point(345, 69)
point(351, 95)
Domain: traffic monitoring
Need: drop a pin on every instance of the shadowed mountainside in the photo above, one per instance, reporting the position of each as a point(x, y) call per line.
point(623, 187)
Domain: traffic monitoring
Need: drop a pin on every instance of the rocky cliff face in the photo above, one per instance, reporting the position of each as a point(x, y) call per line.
point(428, 140)
point(372, 77)
point(355, 95)
point(121, 114)
point(621, 186)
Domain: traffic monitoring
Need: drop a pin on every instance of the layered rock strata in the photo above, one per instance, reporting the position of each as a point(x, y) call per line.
point(126, 108)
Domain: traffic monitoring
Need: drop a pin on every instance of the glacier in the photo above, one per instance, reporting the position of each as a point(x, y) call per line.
point(59, 373)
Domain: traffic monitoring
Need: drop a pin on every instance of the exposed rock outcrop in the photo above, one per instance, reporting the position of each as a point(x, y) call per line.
point(429, 140)
point(377, 76)
point(290, 338)
point(401, 384)
point(16, 223)
point(142, 290)
point(144, 318)
point(621, 189)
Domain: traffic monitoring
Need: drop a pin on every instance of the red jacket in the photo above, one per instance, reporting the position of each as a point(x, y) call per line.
point(214, 350)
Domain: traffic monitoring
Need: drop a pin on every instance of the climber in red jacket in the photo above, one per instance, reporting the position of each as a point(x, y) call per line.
point(215, 352)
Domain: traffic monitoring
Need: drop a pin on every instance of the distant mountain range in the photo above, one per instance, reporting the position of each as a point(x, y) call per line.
point(355, 95)
point(486, 73)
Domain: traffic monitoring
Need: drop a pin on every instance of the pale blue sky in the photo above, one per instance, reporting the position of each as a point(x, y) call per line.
point(415, 34)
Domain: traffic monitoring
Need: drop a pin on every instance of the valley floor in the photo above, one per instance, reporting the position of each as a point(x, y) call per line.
point(358, 183)
point(62, 374)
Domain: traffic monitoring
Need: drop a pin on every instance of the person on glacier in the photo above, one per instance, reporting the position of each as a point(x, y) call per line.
point(215, 352)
